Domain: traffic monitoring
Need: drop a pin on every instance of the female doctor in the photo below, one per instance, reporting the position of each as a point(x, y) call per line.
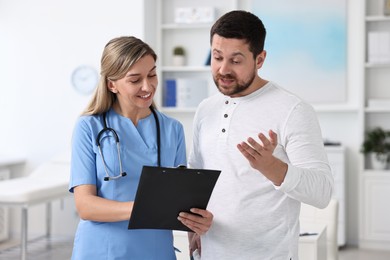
point(119, 132)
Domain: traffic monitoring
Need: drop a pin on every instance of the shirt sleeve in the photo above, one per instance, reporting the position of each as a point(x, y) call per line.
point(83, 159)
point(181, 156)
point(309, 178)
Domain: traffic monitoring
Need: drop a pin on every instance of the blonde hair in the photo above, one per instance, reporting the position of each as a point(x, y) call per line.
point(118, 56)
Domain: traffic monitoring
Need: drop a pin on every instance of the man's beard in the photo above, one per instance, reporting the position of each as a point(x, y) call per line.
point(235, 89)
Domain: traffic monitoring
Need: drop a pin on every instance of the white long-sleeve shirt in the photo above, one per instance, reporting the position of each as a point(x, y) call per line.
point(253, 219)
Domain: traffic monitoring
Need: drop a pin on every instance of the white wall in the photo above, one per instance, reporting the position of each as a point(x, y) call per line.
point(42, 41)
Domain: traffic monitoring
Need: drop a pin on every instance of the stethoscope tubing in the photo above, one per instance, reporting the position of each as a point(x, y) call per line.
point(106, 128)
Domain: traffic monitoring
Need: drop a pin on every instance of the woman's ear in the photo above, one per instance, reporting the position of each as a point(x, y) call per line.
point(111, 86)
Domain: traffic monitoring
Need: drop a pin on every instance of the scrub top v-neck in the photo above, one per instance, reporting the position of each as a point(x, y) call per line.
point(138, 144)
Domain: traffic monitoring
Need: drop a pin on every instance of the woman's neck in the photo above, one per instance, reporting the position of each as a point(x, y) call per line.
point(133, 113)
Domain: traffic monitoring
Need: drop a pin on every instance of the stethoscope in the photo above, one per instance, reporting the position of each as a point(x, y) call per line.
point(109, 129)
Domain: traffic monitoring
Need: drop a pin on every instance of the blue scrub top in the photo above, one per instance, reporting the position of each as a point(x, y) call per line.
point(138, 146)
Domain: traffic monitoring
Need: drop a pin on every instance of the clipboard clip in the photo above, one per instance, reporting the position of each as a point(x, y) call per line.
point(181, 166)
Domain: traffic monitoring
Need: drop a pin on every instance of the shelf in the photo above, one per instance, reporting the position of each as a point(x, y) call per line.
point(178, 109)
point(322, 109)
point(377, 65)
point(186, 69)
point(373, 172)
point(377, 18)
point(335, 108)
point(377, 109)
point(175, 26)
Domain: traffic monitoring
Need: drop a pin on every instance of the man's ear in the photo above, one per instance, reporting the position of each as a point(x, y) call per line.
point(260, 59)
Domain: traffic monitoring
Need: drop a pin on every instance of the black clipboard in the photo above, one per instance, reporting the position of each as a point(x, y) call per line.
point(165, 192)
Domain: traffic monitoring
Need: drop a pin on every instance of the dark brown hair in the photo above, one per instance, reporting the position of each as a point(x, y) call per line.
point(243, 25)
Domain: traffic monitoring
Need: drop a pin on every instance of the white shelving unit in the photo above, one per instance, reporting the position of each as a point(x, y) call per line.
point(375, 228)
point(194, 37)
point(375, 185)
point(336, 156)
point(344, 121)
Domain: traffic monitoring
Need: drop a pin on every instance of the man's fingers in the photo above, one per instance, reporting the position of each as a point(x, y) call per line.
point(199, 220)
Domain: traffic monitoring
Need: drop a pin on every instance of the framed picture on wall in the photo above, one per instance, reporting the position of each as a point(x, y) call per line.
point(306, 47)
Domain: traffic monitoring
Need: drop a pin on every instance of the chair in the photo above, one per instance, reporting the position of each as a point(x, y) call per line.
point(311, 217)
point(46, 183)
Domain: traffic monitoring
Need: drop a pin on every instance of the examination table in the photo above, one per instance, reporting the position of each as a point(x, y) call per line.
point(46, 183)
